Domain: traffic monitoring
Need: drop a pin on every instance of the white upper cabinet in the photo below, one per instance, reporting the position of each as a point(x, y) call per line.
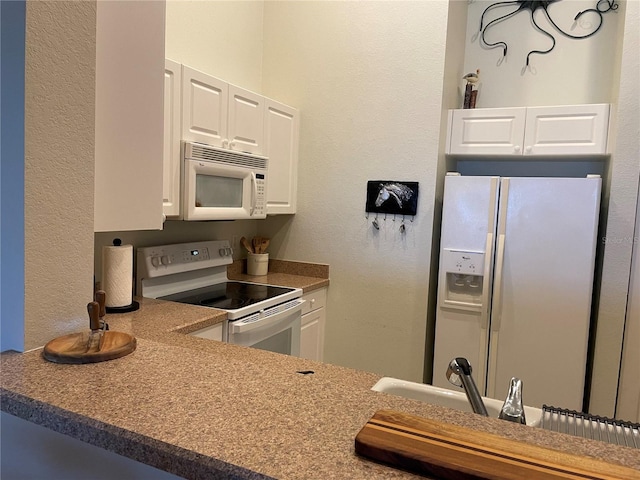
point(557, 130)
point(246, 121)
point(281, 127)
point(488, 131)
point(205, 103)
point(574, 130)
point(217, 113)
point(129, 116)
point(171, 153)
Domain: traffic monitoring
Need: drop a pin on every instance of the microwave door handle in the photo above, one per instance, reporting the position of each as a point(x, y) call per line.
point(254, 193)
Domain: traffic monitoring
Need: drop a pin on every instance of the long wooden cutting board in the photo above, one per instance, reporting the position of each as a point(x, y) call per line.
point(447, 451)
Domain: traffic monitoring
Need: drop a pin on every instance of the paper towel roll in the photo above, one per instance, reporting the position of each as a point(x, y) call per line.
point(117, 275)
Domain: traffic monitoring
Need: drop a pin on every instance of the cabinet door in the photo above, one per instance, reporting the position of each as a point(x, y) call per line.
point(129, 110)
point(246, 120)
point(567, 130)
point(171, 153)
point(281, 146)
point(214, 332)
point(312, 335)
point(487, 131)
point(204, 108)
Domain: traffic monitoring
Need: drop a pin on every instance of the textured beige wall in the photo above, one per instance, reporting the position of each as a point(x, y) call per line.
point(59, 163)
point(368, 79)
point(223, 39)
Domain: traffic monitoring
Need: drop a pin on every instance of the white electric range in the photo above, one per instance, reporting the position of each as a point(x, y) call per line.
point(259, 315)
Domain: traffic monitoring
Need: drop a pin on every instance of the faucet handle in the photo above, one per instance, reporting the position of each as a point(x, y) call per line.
point(512, 410)
point(457, 367)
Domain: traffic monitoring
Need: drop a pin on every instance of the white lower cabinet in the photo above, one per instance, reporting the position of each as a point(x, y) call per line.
point(214, 332)
point(314, 315)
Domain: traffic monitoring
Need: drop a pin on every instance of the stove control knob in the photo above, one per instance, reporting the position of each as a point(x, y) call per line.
point(229, 251)
point(222, 252)
point(155, 261)
point(165, 260)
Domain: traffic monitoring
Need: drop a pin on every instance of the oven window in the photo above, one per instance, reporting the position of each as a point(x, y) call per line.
point(215, 191)
point(279, 343)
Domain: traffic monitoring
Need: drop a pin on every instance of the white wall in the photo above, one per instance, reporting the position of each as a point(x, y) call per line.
point(367, 77)
point(223, 39)
point(575, 72)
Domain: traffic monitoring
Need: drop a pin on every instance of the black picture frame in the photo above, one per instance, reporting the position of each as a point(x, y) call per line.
point(392, 197)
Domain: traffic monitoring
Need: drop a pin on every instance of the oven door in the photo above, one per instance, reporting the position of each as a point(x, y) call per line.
point(216, 191)
point(276, 329)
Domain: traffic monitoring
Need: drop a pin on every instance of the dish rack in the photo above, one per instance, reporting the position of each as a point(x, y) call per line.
point(590, 426)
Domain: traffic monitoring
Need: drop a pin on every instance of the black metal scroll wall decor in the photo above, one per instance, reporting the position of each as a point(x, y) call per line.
point(390, 197)
point(601, 7)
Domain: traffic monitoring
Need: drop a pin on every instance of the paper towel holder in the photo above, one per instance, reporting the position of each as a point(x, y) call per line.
point(127, 308)
point(134, 305)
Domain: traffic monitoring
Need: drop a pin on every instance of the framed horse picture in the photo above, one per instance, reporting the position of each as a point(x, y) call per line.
point(393, 197)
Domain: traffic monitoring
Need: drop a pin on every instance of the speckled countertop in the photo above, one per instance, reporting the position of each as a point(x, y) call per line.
point(204, 409)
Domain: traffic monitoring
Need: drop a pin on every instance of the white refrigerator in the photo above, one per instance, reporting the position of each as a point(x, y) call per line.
point(517, 260)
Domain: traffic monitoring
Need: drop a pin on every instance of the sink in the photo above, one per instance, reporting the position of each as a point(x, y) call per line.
point(447, 398)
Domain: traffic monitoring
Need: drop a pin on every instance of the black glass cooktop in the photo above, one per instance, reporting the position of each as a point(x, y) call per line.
point(228, 295)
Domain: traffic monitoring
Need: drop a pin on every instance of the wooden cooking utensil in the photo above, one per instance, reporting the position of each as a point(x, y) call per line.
point(245, 243)
point(451, 452)
point(264, 244)
point(101, 298)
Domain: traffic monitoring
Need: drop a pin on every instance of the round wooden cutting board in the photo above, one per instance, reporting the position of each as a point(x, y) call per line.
point(79, 348)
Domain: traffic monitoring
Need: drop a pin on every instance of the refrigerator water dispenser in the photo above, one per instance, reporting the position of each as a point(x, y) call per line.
point(463, 280)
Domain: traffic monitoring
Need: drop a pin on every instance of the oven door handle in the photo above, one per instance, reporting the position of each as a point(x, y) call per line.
point(257, 321)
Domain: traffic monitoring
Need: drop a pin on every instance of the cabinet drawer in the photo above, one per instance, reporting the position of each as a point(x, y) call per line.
point(314, 300)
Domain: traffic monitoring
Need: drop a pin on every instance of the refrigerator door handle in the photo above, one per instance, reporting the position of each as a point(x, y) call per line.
point(496, 307)
point(497, 294)
point(486, 285)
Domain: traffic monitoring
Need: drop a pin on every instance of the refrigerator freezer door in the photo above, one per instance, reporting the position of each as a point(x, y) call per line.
point(468, 223)
point(546, 237)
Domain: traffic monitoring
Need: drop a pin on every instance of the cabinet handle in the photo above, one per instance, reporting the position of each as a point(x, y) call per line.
point(528, 149)
point(225, 143)
point(232, 145)
point(312, 301)
point(516, 148)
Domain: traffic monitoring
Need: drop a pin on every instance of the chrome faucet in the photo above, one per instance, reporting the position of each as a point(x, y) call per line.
point(459, 374)
point(512, 410)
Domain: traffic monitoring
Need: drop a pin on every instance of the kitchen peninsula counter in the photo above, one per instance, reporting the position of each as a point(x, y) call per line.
point(205, 409)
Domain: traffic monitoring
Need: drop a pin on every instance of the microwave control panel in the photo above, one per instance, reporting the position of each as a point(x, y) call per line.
point(261, 196)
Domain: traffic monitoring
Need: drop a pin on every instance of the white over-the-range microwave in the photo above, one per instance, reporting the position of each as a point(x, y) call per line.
point(219, 184)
